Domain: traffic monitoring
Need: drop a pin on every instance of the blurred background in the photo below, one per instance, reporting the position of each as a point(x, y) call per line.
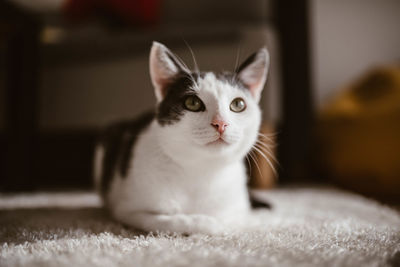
point(69, 67)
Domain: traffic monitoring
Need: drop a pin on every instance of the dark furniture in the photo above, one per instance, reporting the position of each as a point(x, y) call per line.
point(30, 160)
point(20, 33)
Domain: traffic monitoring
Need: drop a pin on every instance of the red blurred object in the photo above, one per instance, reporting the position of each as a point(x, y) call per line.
point(136, 12)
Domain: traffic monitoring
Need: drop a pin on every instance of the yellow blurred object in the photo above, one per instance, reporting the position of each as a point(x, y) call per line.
point(374, 95)
point(359, 134)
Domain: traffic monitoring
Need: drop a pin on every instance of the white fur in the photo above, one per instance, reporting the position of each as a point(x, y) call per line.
point(178, 181)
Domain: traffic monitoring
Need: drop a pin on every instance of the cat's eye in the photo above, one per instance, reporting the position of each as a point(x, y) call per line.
point(238, 105)
point(193, 103)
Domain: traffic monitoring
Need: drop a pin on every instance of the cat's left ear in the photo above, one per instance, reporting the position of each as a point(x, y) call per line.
point(164, 67)
point(253, 72)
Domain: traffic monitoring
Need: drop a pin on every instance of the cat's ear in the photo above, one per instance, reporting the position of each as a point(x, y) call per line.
point(253, 72)
point(164, 67)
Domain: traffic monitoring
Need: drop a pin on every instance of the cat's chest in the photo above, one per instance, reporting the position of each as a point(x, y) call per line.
point(190, 190)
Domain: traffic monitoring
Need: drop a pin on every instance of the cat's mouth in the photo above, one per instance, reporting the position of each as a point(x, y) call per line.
point(218, 142)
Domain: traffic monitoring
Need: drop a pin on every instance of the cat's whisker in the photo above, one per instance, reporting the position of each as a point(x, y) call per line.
point(185, 67)
point(237, 58)
point(270, 153)
point(254, 158)
point(265, 146)
point(265, 150)
point(248, 163)
point(234, 76)
point(196, 67)
point(235, 70)
point(266, 143)
point(257, 163)
point(268, 134)
point(266, 158)
point(261, 151)
point(267, 137)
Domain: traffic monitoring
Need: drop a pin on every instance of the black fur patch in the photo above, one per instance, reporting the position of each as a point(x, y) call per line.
point(171, 108)
point(118, 141)
point(257, 204)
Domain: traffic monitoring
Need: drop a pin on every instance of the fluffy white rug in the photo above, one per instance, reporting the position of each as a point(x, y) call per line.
point(307, 227)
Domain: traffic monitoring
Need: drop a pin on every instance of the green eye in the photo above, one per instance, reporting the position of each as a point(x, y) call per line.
point(238, 105)
point(193, 103)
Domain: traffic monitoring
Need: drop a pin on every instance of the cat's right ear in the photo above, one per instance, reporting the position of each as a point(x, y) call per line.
point(164, 67)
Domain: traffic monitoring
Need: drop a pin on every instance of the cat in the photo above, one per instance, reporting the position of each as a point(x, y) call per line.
point(180, 168)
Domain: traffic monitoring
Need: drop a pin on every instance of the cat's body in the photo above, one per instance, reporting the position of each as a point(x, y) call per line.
point(181, 169)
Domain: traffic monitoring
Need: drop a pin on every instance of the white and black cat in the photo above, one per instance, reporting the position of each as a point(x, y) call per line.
point(181, 168)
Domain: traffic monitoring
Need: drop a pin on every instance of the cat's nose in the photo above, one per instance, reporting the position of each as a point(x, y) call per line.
point(219, 125)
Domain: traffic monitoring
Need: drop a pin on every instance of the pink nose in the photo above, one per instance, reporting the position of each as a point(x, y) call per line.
point(219, 125)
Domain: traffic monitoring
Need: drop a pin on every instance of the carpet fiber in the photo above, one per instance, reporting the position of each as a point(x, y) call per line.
point(307, 227)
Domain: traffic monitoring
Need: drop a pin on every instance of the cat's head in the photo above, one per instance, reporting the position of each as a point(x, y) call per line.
point(207, 114)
